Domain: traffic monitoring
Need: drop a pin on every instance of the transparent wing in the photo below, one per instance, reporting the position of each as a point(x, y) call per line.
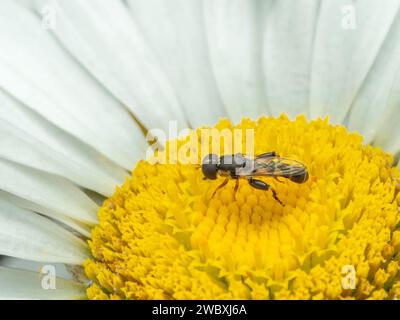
point(277, 166)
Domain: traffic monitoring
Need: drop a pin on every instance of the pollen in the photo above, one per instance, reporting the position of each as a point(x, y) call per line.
point(162, 235)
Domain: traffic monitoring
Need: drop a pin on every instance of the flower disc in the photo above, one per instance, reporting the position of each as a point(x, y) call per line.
point(162, 235)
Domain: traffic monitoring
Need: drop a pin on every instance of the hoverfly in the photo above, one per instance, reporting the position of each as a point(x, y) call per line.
point(237, 166)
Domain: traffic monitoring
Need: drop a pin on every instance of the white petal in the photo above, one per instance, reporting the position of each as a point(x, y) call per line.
point(176, 32)
point(82, 228)
point(35, 266)
point(234, 36)
point(288, 45)
point(103, 37)
point(19, 284)
point(388, 132)
point(60, 90)
point(343, 57)
point(49, 191)
point(26, 235)
point(32, 141)
point(374, 109)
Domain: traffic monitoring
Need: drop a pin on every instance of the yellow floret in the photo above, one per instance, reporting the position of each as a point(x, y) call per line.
point(162, 236)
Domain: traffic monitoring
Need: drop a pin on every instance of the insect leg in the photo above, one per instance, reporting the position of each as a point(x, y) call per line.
point(236, 189)
point(220, 186)
point(258, 184)
point(276, 197)
point(276, 178)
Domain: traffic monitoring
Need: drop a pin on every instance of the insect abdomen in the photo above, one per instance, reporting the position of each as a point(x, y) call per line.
point(299, 178)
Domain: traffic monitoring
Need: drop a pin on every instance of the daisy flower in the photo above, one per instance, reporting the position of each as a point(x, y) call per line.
point(86, 88)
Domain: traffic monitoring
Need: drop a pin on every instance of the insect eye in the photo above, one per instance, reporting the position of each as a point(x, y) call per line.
point(209, 166)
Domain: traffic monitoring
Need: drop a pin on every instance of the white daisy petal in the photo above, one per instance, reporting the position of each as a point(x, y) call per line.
point(233, 36)
point(81, 228)
point(26, 235)
point(52, 86)
point(47, 190)
point(102, 36)
point(343, 56)
point(388, 132)
point(69, 155)
point(373, 103)
point(22, 148)
point(78, 228)
point(20, 284)
point(288, 45)
point(35, 266)
point(176, 32)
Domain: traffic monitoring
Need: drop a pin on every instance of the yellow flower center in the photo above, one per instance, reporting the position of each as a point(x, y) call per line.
point(162, 235)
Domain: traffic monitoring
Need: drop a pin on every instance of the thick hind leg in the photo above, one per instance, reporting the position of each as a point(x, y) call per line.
point(258, 184)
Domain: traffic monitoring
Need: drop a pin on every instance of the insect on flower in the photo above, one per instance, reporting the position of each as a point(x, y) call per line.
point(237, 166)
